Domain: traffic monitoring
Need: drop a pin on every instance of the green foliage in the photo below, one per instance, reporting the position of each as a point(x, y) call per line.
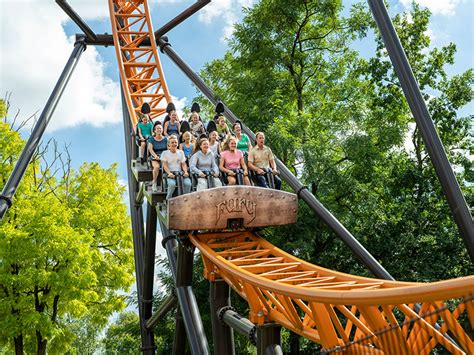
point(342, 125)
point(123, 336)
point(65, 249)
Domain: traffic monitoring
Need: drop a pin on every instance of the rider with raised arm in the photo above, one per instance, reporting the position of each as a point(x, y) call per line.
point(260, 159)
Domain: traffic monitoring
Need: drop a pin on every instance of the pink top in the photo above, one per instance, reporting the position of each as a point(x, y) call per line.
point(232, 160)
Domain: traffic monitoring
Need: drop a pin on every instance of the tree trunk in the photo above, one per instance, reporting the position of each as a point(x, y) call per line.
point(294, 344)
point(41, 343)
point(19, 344)
point(300, 101)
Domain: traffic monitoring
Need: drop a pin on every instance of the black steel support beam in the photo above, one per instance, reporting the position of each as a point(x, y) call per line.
point(149, 265)
point(187, 301)
point(268, 339)
point(179, 343)
point(184, 275)
point(198, 5)
point(424, 122)
point(77, 19)
point(38, 130)
point(136, 214)
point(222, 334)
point(168, 304)
point(357, 248)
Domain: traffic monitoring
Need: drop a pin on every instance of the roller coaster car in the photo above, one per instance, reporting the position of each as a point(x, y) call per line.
point(142, 172)
point(232, 207)
point(154, 198)
point(269, 177)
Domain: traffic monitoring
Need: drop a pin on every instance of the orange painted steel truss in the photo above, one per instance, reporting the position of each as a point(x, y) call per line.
point(140, 68)
point(336, 309)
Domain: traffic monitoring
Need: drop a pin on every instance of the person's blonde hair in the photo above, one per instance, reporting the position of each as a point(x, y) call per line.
point(227, 141)
point(187, 133)
point(172, 137)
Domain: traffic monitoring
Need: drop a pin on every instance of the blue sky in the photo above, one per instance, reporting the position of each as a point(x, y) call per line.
point(88, 118)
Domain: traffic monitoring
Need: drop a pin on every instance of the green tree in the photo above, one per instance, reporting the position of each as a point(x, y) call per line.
point(342, 124)
point(123, 336)
point(65, 249)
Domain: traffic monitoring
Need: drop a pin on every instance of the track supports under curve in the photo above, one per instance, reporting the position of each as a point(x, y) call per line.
point(136, 214)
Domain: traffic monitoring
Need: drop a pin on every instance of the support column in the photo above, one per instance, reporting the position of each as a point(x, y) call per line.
point(149, 265)
point(136, 214)
point(179, 341)
point(434, 146)
point(269, 339)
point(21, 165)
point(222, 334)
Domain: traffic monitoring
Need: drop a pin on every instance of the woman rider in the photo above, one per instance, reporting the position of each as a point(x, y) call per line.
point(231, 160)
point(243, 141)
point(156, 145)
point(204, 161)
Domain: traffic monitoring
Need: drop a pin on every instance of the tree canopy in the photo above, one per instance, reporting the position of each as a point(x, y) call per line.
point(65, 248)
point(340, 122)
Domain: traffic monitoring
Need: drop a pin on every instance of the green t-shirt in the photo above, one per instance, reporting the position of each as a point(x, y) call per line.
point(243, 143)
point(222, 129)
point(145, 128)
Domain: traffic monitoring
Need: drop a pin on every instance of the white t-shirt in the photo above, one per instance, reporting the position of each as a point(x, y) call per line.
point(174, 160)
point(215, 148)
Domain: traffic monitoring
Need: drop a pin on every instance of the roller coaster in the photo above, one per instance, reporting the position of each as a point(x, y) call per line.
point(343, 313)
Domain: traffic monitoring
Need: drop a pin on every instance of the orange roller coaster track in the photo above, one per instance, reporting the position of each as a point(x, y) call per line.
point(140, 69)
point(335, 309)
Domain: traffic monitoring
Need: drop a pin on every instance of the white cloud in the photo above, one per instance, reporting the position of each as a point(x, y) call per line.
point(90, 9)
point(437, 7)
point(35, 49)
point(228, 12)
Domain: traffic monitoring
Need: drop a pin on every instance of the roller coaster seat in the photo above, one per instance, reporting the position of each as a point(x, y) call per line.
point(267, 180)
point(177, 185)
point(210, 180)
point(239, 176)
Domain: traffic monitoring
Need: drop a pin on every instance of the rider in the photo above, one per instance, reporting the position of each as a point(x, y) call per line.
point(231, 160)
point(204, 161)
point(156, 146)
point(260, 158)
point(174, 162)
point(144, 130)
